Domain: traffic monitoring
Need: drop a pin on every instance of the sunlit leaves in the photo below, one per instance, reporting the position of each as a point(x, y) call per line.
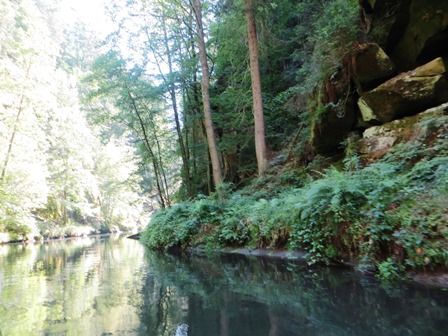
point(47, 149)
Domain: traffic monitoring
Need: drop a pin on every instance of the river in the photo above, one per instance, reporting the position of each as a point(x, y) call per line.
point(115, 286)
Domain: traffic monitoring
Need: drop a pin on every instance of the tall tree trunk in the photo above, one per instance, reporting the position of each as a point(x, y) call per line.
point(199, 130)
point(260, 140)
point(205, 86)
point(172, 91)
point(162, 169)
point(16, 127)
point(154, 161)
point(11, 139)
point(159, 148)
point(64, 208)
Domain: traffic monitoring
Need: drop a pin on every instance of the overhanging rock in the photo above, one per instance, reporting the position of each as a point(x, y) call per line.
point(371, 66)
point(406, 94)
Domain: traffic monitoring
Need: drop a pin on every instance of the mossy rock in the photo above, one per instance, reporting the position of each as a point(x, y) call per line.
point(406, 94)
point(411, 32)
point(423, 128)
point(371, 66)
point(334, 115)
point(425, 35)
point(332, 127)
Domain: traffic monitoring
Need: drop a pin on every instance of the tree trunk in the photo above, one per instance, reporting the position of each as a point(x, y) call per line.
point(64, 208)
point(260, 140)
point(172, 90)
point(205, 86)
point(11, 140)
point(155, 165)
point(162, 169)
point(16, 126)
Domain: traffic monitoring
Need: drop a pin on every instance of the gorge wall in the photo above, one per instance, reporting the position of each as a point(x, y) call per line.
point(397, 70)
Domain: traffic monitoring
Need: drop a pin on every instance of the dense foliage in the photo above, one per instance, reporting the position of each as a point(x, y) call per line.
point(386, 213)
point(161, 111)
point(390, 213)
point(59, 176)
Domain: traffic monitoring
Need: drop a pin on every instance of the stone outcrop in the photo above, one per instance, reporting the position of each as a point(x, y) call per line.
point(386, 21)
point(333, 126)
point(371, 66)
point(406, 94)
point(334, 114)
point(425, 34)
point(412, 32)
point(377, 147)
point(400, 72)
point(427, 126)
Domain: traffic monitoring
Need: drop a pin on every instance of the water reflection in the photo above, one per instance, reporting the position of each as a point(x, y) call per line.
point(99, 286)
point(231, 295)
point(75, 287)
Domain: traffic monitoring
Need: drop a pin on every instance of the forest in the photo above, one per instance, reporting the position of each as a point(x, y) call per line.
point(304, 125)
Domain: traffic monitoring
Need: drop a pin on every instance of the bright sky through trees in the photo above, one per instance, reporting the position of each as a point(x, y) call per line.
point(91, 12)
point(60, 175)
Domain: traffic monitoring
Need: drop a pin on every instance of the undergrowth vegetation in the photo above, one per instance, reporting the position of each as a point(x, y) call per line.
point(390, 214)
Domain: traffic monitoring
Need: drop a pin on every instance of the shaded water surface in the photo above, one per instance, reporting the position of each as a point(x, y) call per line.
point(114, 286)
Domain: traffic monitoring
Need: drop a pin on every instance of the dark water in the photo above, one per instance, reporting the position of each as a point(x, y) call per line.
point(114, 286)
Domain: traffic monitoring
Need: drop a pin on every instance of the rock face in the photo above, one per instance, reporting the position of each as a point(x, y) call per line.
point(425, 34)
point(400, 72)
point(406, 94)
point(377, 147)
point(335, 113)
point(387, 21)
point(331, 129)
point(411, 32)
point(371, 66)
point(426, 126)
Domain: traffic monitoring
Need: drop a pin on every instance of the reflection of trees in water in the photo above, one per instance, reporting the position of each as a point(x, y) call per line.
point(163, 308)
point(79, 287)
point(234, 295)
point(98, 286)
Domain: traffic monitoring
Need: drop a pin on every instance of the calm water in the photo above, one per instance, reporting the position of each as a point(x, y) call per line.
point(113, 286)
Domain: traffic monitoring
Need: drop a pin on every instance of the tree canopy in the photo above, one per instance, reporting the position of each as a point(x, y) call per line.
point(190, 94)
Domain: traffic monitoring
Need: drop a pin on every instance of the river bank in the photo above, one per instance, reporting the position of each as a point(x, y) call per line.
point(390, 215)
point(427, 278)
point(50, 239)
point(437, 279)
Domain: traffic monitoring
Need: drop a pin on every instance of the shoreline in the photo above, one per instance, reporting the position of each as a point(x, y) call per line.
point(46, 240)
point(437, 279)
